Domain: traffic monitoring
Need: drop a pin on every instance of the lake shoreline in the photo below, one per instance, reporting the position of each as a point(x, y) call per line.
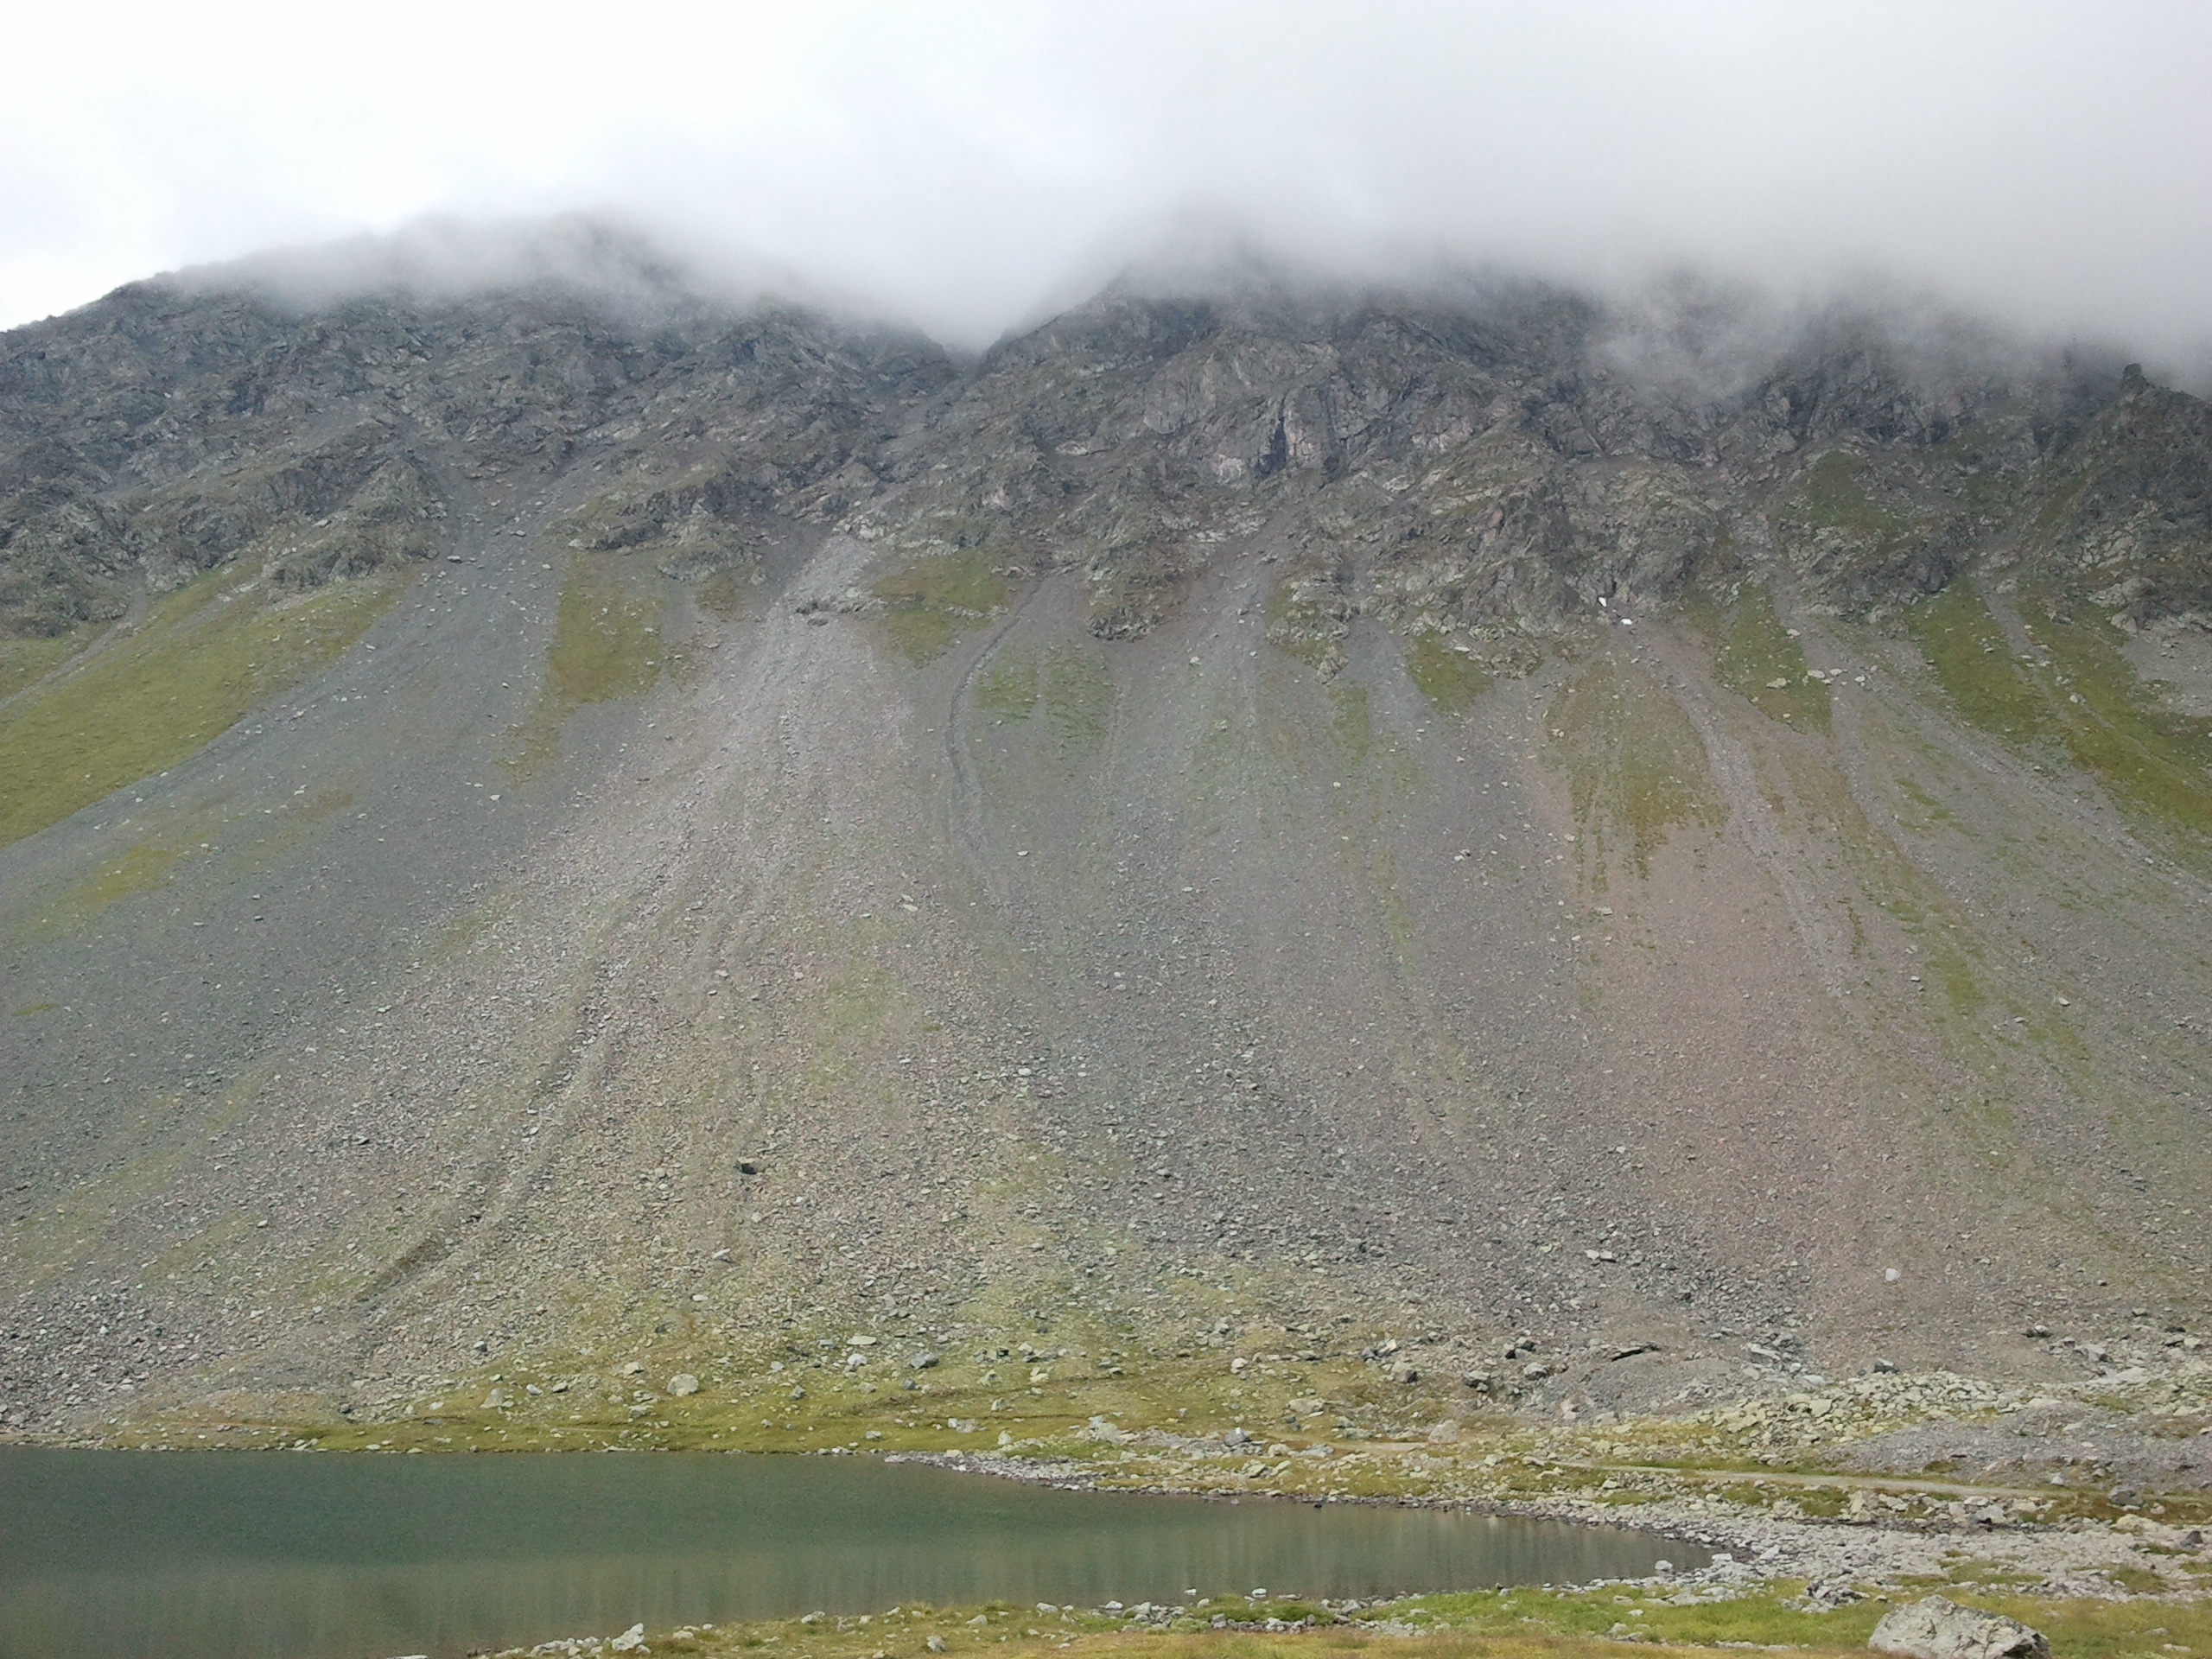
point(2066, 1556)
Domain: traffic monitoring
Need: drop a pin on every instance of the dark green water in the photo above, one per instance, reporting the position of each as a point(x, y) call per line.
point(190, 1555)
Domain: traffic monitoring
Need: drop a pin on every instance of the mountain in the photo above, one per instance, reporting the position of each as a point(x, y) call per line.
point(552, 819)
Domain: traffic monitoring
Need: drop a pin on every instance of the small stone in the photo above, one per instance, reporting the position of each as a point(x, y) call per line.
point(631, 1640)
point(683, 1383)
point(1827, 1597)
point(494, 1400)
point(935, 1644)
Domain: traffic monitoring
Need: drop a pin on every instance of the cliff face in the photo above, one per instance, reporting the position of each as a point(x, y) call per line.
point(542, 826)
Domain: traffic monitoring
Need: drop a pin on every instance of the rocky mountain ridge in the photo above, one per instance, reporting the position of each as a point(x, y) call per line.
point(1459, 814)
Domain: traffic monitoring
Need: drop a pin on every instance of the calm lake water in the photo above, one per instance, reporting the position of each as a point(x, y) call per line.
point(189, 1555)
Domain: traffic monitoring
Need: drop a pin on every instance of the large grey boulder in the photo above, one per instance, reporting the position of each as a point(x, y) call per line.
point(1939, 1629)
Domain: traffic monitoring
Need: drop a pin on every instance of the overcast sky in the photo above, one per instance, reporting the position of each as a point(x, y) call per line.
point(2050, 164)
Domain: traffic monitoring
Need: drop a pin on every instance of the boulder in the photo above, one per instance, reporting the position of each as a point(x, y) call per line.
point(1936, 1628)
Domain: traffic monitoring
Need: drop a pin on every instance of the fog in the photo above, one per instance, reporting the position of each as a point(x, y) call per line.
point(964, 167)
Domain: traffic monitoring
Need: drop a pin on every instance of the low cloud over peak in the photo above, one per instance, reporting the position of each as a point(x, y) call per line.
point(2038, 164)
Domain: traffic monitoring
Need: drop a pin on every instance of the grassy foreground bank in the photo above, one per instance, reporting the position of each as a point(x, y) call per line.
point(1525, 1624)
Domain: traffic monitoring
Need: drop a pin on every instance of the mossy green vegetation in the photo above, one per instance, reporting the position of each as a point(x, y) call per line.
point(606, 644)
point(1008, 688)
point(1636, 767)
point(1760, 659)
point(933, 599)
point(25, 658)
point(238, 838)
point(1832, 497)
point(204, 656)
point(1974, 663)
point(1078, 698)
point(1763, 1619)
point(2075, 694)
point(140, 869)
point(1067, 684)
point(2158, 765)
point(1451, 680)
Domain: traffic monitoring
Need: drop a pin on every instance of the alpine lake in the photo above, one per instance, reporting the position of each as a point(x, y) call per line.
point(248, 1555)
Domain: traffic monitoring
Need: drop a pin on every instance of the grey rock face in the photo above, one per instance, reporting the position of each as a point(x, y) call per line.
point(1492, 461)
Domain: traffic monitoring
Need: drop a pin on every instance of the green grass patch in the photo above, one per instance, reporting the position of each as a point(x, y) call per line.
point(25, 658)
point(205, 656)
point(1832, 497)
point(1760, 659)
point(1974, 662)
point(934, 599)
point(2155, 765)
point(1502, 1624)
point(2109, 1630)
point(1451, 680)
point(2139, 1580)
point(1762, 1619)
point(1078, 698)
point(1008, 690)
point(606, 644)
point(140, 869)
point(2158, 765)
point(1636, 768)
